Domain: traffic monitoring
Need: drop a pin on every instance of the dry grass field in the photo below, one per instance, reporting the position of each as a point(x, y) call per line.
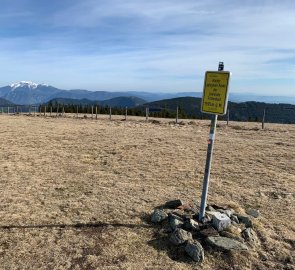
point(77, 193)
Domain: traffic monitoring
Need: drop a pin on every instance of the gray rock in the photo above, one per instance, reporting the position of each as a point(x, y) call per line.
point(180, 236)
point(209, 215)
point(173, 204)
point(210, 231)
point(246, 220)
point(210, 208)
point(175, 221)
point(225, 243)
point(191, 225)
point(250, 236)
point(206, 219)
point(220, 221)
point(229, 212)
point(158, 216)
point(195, 251)
point(233, 236)
point(235, 219)
point(253, 212)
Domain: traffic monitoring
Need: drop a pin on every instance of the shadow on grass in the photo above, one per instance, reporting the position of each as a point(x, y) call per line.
point(76, 225)
point(161, 241)
point(162, 244)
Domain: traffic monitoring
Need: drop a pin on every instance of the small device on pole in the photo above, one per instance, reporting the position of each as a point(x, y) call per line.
point(214, 101)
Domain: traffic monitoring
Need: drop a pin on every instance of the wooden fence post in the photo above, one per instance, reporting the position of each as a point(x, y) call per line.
point(126, 113)
point(45, 111)
point(227, 121)
point(110, 113)
point(77, 111)
point(263, 119)
point(96, 112)
point(176, 120)
point(146, 114)
point(50, 111)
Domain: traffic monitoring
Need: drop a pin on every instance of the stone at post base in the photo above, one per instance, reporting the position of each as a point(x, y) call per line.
point(191, 225)
point(158, 216)
point(174, 221)
point(226, 244)
point(246, 220)
point(173, 204)
point(220, 221)
point(251, 237)
point(195, 250)
point(180, 236)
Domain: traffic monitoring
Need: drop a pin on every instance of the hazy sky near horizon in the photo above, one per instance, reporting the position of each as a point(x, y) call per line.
point(151, 45)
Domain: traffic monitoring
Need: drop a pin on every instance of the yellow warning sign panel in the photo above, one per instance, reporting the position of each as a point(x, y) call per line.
point(215, 93)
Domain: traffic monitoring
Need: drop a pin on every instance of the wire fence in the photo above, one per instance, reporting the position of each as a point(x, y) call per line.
point(283, 114)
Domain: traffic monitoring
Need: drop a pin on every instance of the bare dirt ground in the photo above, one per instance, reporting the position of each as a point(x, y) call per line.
point(77, 193)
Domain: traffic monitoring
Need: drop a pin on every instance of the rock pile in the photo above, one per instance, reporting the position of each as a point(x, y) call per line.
point(221, 228)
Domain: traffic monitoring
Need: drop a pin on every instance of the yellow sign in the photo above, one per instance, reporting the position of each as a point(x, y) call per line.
point(215, 93)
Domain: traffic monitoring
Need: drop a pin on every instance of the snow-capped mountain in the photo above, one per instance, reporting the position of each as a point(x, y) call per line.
point(28, 84)
point(26, 92)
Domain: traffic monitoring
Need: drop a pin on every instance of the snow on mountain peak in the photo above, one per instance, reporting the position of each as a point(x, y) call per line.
point(28, 84)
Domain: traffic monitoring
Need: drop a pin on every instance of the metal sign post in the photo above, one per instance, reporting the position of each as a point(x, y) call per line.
point(214, 101)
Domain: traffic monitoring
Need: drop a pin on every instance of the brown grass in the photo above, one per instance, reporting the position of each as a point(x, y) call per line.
point(77, 194)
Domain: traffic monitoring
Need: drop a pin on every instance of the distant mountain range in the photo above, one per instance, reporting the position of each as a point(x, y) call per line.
point(190, 107)
point(28, 93)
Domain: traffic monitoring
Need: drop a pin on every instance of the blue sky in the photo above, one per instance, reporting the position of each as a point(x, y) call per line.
point(151, 45)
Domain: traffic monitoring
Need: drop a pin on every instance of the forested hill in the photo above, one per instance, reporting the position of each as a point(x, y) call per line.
point(118, 102)
point(190, 107)
point(4, 102)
